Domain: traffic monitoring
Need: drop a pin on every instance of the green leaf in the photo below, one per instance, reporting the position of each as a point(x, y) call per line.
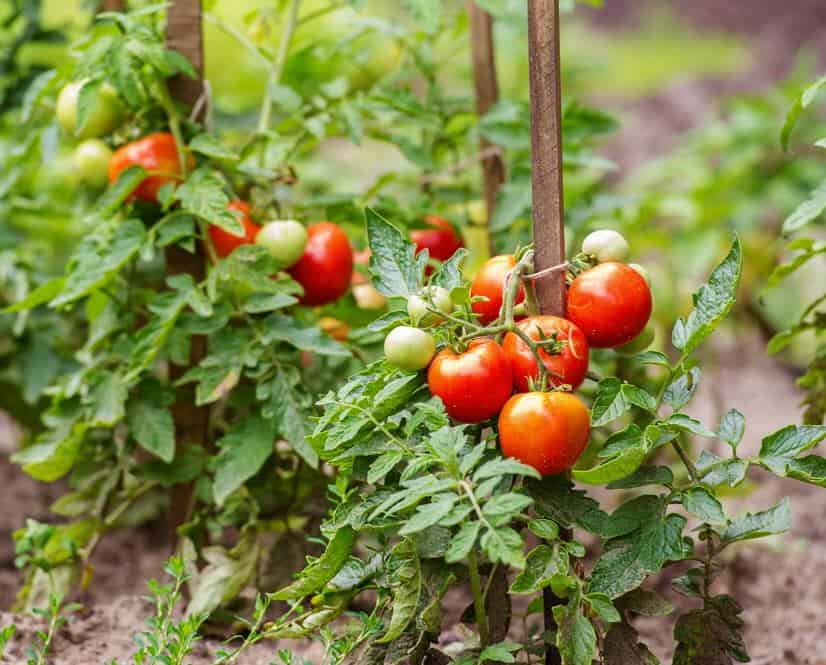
point(808, 211)
point(704, 505)
point(42, 294)
point(203, 195)
point(107, 400)
point(645, 603)
point(504, 467)
point(505, 506)
point(208, 145)
point(95, 264)
point(653, 358)
point(243, 451)
point(428, 14)
point(304, 336)
point(396, 270)
point(462, 542)
point(777, 519)
point(406, 583)
point(87, 99)
point(781, 446)
point(575, 636)
point(810, 469)
point(557, 500)
point(715, 471)
point(503, 545)
point(614, 469)
point(449, 274)
point(543, 563)
point(52, 454)
point(732, 428)
point(803, 101)
point(680, 391)
point(602, 605)
point(711, 303)
point(428, 514)
point(545, 529)
point(686, 423)
point(628, 560)
point(383, 465)
point(322, 570)
point(609, 402)
point(500, 653)
point(645, 475)
point(114, 197)
point(287, 407)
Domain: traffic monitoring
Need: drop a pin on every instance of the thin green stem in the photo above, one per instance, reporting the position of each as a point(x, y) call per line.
point(168, 105)
point(318, 13)
point(478, 598)
point(278, 65)
point(239, 36)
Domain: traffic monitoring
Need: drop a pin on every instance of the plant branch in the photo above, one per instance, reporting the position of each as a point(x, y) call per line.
point(278, 65)
point(478, 597)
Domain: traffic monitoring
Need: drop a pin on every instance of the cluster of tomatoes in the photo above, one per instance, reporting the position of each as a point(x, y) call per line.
point(608, 306)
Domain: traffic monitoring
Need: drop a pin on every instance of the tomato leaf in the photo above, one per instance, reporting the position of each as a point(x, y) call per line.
point(712, 302)
point(243, 451)
point(462, 542)
point(393, 263)
point(575, 636)
point(203, 195)
point(406, 583)
point(711, 635)
point(543, 563)
point(322, 570)
point(704, 505)
point(777, 519)
point(732, 427)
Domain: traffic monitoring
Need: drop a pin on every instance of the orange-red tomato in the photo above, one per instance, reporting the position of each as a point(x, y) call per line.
point(326, 267)
point(569, 366)
point(547, 431)
point(441, 241)
point(611, 303)
point(490, 283)
point(361, 258)
point(224, 241)
point(158, 155)
point(474, 384)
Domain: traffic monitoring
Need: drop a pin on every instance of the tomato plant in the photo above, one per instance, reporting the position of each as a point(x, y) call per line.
point(225, 242)
point(325, 268)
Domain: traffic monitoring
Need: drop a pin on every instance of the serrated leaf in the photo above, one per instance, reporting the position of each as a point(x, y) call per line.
point(114, 197)
point(732, 428)
point(712, 302)
point(287, 408)
point(810, 469)
point(203, 195)
point(462, 542)
point(645, 475)
point(501, 652)
point(449, 274)
point(428, 514)
point(653, 358)
point(42, 294)
point(680, 391)
point(505, 506)
point(704, 505)
point(777, 519)
point(304, 336)
point(575, 636)
point(543, 563)
point(806, 97)
point(602, 605)
point(393, 264)
point(406, 585)
point(645, 603)
point(556, 499)
point(711, 635)
point(614, 469)
point(545, 529)
point(686, 423)
point(609, 402)
point(383, 465)
point(622, 646)
point(639, 397)
point(208, 145)
point(786, 443)
point(497, 468)
point(322, 570)
point(243, 451)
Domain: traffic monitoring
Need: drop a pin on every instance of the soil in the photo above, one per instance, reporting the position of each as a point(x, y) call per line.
point(779, 582)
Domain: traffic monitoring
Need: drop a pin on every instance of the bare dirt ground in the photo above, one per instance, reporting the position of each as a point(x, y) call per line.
point(780, 583)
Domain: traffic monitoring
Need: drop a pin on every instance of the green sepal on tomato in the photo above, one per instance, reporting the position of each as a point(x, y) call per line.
point(473, 384)
point(567, 363)
point(548, 431)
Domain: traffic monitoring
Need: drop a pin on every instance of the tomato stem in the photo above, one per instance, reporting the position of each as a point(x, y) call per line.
point(478, 597)
point(278, 65)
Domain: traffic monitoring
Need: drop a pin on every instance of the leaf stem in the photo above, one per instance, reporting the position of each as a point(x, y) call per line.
point(278, 65)
point(478, 597)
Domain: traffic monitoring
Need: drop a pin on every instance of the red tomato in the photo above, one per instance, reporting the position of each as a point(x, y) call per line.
point(474, 384)
point(224, 241)
point(158, 154)
point(547, 431)
point(569, 366)
point(326, 267)
point(490, 282)
point(441, 241)
point(611, 303)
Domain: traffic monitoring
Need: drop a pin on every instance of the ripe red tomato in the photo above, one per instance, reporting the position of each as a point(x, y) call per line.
point(547, 431)
point(441, 241)
point(157, 153)
point(611, 303)
point(569, 366)
point(473, 384)
point(490, 282)
point(224, 241)
point(326, 267)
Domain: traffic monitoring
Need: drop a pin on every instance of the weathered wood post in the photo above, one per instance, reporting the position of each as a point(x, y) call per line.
point(184, 34)
point(546, 182)
point(486, 85)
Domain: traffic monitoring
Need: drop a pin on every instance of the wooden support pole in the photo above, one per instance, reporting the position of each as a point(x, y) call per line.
point(487, 94)
point(546, 182)
point(184, 34)
point(113, 5)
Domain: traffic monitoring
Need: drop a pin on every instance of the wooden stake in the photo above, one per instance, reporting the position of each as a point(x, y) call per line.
point(183, 33)
point(546, 146)
point(487, 94)
point(113, 6)
point(546, 182)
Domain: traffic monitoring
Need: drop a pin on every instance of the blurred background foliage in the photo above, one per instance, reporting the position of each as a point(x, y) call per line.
point(384, 97)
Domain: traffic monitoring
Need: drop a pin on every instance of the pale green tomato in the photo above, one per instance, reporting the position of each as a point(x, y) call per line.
point(285, 240)
point(642, 271)
point(368, 296)
point(409, 348)
point(106, 114)
point(639, 344)
point(433, 297)
point(91, 159)
point(606, 245)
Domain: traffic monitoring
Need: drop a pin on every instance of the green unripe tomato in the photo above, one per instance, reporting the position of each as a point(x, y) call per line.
point(91, 160)
point(606, 245)
point(285, 240)
point(106, 114)
point(409, 348)
point(639, 344)
point(433, 297)
point(642, 271)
